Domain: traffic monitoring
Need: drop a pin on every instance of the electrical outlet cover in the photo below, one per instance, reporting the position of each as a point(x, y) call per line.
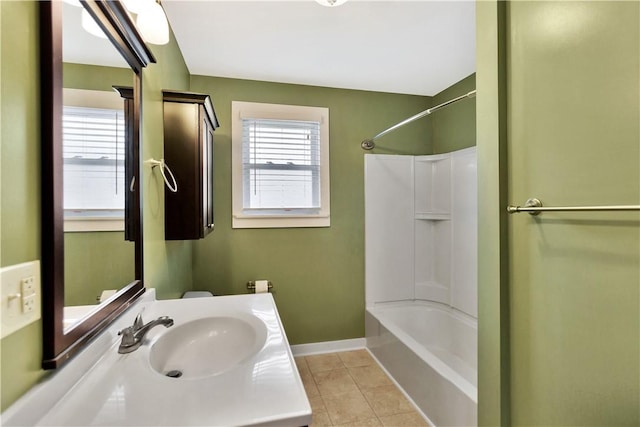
point(20, 296)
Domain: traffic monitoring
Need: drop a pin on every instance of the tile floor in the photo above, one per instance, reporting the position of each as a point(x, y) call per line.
point(350, 389)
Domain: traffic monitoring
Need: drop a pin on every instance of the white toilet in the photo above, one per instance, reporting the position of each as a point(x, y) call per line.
point(197, 294)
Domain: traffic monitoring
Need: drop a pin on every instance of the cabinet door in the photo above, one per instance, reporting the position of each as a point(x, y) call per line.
point(189, 123)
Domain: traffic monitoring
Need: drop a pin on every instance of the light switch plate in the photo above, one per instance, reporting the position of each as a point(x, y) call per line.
point(21, 296)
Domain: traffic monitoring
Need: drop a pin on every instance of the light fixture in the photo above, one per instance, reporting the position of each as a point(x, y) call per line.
point(331, 3)
point(90, 25)
point(152, 23)
point(151, 20)
point(137, 6)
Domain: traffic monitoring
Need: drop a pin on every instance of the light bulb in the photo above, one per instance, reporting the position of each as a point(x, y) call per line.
point(331, 3)
point(153, 25)
point(90, 25)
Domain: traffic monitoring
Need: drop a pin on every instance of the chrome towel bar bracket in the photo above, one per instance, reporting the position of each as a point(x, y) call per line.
point(534, 207)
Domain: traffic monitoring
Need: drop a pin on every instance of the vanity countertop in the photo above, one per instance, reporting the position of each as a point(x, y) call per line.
point(124, 389)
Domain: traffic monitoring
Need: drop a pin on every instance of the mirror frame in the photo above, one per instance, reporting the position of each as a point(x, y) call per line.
point(113, 18)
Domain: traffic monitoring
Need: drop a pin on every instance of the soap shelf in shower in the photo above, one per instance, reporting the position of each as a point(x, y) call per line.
point(433, 216)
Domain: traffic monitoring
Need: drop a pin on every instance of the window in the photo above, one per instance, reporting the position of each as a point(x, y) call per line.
point(280, 166)
point(93, 141)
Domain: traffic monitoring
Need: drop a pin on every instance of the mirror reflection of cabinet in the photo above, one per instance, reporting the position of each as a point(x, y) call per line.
point(98, 261)
point(132, 159)
point(61, 343)
point(189, 123)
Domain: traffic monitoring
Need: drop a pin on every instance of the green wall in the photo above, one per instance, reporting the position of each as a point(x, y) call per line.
point(94, 77)
point(574, 139)
point(559, 102)
point(95, 262)
point(167, 264)
point(454, 127)
point(317, 273)
point(20, 132)
point(21, 352)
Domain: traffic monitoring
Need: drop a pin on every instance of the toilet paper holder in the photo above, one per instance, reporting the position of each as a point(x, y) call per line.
point(251, 285)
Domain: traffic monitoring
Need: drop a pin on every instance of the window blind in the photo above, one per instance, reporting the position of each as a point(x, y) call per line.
point(280, 165)
point(93, 157)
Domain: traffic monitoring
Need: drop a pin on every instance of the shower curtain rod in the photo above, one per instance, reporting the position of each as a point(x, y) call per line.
point(368, 144)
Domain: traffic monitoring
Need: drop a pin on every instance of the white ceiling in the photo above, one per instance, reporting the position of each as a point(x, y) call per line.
point(412, 47)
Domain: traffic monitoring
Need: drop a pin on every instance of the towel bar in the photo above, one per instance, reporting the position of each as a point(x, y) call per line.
point(534, 207)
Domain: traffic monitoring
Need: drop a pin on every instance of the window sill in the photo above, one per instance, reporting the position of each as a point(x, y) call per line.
point(90, 225)
point(280, 221)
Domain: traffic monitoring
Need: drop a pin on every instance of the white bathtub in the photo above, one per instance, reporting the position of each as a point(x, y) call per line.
point(430, 349)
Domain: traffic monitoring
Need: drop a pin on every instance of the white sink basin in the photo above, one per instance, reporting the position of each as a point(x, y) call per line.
point(207, 346)
point(236, 363)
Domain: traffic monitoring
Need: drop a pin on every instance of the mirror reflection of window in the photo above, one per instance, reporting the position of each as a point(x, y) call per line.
point(93, 156)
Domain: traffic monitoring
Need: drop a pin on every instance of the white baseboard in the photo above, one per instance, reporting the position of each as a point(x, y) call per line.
point(328, 347)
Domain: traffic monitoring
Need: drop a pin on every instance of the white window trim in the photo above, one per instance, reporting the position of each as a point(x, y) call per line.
point(92, 99)
point(83, 225)
point(240, 110)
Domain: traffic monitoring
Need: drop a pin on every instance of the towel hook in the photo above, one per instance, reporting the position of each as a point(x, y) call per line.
point(163, 166)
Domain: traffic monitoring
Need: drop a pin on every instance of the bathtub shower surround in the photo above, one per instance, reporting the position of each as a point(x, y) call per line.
point(421, 280)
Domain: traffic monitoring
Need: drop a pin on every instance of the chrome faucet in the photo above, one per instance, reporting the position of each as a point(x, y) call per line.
point(132, 336)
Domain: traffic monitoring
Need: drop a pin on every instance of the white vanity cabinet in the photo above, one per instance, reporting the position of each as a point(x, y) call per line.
point(101, 387)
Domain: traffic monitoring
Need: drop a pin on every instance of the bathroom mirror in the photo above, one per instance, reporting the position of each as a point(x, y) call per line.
point(60, 340)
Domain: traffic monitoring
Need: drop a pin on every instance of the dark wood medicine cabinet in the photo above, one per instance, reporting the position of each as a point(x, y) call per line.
point(189, 123)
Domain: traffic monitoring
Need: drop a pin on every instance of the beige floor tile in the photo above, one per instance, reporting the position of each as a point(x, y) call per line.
point(369, 376)
point(348, 408)
point(323, 362)
point(352, 359)
point(350, 389)
point(334, 382)
point(301, 364)
point(411, 419)
point(371, 422)
point(317, 404)
point(320, 419)
point(309, 384)
point(387, 400)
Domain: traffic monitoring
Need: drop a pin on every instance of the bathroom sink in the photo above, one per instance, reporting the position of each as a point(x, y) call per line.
point(207, 346)
point(236, 364)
